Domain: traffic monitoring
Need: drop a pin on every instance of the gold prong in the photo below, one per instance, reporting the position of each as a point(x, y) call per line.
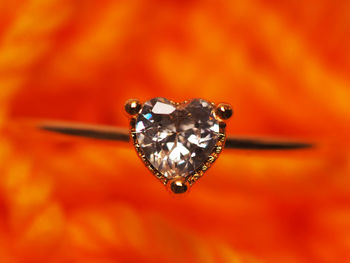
point(224, 111)
point(178, 185)
point(132, 106)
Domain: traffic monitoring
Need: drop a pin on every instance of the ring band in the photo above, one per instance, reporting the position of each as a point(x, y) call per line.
point(111, 133)
point(177, 142)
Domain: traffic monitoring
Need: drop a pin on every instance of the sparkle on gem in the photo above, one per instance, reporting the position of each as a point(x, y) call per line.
point(163, 108)
point(177, 140)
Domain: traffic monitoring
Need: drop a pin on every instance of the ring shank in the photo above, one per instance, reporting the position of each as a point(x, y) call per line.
point(121, 134)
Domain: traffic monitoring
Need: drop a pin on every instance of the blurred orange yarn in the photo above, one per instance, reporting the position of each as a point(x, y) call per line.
point(283, 65)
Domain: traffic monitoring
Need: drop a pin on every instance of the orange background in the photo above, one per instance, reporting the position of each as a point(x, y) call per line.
point(283, 65)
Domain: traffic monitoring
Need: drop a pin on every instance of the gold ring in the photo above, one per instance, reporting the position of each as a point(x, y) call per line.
point(177, 142)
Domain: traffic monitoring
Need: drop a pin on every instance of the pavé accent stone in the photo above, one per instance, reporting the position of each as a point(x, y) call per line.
point(177, 139)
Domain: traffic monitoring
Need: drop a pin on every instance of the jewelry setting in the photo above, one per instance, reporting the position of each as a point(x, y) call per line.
point(178, 142)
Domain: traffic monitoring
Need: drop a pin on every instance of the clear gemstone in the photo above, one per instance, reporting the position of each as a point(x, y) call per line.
point(177, 140)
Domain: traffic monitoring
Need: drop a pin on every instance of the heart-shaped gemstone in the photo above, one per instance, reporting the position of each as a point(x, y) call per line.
point(177, 139)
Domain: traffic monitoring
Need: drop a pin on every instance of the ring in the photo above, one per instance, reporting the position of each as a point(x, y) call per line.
point(177, 142)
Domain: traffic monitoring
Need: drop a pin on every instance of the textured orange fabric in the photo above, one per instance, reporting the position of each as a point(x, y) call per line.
point(283, 65)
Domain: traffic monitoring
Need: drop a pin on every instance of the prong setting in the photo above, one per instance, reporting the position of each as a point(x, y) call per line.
point(132, 106)
point(179, 184)
point(224, 111)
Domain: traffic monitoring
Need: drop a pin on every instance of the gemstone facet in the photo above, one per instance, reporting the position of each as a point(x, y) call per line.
point(177, 139)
